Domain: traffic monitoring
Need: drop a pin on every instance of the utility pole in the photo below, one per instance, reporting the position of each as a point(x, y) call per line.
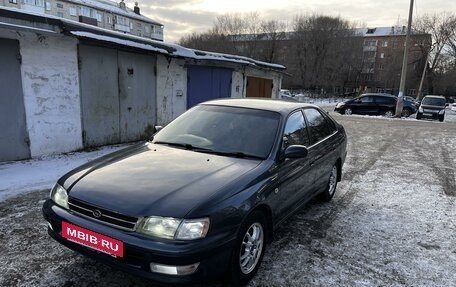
point(420, 89)
point(400, 98)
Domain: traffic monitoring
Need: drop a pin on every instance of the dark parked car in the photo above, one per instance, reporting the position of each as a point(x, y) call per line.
point(204, 196)
point(374, 104)
point(432, 107)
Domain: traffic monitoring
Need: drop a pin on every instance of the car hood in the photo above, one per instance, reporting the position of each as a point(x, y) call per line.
point(154, 179)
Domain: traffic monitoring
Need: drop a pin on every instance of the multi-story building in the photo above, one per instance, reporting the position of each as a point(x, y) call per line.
point(102, 13)
point(363, 59)
point(383, 50)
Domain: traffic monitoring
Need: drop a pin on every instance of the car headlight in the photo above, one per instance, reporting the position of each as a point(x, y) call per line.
point(59, 195)
point(441, 112)
point(420, 110)
point(193, 229)
point(340, 105)
point(173, 228)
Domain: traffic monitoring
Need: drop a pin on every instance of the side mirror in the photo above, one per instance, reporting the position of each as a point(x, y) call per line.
point(296, 151)
point(158, 128)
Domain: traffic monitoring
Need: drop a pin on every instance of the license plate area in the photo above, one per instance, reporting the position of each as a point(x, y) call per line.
point(92, 240)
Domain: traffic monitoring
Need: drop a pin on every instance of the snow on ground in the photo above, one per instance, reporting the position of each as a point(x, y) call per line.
point(41, 173)
point(392, 221)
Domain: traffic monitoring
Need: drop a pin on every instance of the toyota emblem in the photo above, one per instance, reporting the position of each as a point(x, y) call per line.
point(96, 213)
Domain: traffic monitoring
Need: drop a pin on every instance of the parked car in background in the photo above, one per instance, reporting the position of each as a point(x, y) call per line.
point(432, 107)
point(374, 104)
point(204, 196)
point(286, 95)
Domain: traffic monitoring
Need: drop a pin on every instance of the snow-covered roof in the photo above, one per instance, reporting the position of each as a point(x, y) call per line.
point(82, 30)
point(383, 31)
point(113, 7)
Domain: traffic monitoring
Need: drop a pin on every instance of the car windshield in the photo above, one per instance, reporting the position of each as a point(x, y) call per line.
point(222, 130)
point(433, 101)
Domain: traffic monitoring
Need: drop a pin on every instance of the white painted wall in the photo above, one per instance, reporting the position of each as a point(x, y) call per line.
point(50, 84)
point(237, 83)
point(171, 89)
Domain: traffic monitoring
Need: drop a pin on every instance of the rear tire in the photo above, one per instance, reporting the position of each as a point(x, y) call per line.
point(249, 249)
point(331, 186)
point(406, 112)
point(389, 113)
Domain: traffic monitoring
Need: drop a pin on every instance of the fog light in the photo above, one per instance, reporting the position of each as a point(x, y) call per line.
point(174, 270)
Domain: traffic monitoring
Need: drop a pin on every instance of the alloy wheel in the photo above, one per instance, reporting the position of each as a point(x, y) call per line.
point(332, 181)
point(251, 248)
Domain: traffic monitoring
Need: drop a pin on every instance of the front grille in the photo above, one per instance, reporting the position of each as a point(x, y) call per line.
point(108, 217)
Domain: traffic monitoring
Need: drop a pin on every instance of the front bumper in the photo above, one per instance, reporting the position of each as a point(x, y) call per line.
point(213, 253)
point(430, 115)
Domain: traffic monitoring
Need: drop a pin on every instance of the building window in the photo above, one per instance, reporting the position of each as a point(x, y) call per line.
point(131, 25)
point(39, 3)
point(380, 67)
point(73, 11)
point(48, 6)
point(121, 20)
point(382, 55)
point(60, 14)
point(411, 92)
point(147, 28)
point(385, 43)
point(99, 17)
point(109, 19)
point(59, 5)
point(370, 43)
point(13, 1)
point(395, 44)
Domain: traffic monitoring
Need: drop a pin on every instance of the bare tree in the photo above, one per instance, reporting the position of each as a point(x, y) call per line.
point(325, 51)
point(442, 29)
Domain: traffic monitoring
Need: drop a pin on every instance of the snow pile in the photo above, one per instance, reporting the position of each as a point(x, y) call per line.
point(37, 174)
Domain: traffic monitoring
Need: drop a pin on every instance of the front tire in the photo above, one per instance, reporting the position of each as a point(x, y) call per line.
point(418, 116)
point(249, 249)
point(330, 188)
point(441, 118)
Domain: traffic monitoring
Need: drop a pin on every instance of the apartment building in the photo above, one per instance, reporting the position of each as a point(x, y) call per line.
point(102, 13)
point(383, 50)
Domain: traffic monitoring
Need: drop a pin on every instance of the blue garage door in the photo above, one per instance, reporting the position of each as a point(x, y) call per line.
point(207, 83)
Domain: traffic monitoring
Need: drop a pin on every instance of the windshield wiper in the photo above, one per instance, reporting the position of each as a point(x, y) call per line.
point(235, 154)
point(184, 145)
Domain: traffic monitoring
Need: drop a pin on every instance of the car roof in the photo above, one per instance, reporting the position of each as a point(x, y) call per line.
point(435, 96)
point(274, 105)
point(377, 94)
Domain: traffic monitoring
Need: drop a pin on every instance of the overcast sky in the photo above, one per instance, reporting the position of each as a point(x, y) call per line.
point(182, 17)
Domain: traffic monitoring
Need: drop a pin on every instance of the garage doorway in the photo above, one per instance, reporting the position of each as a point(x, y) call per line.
point(14, 142)
point(118, 95)
point(259, 87)
point(207, 83)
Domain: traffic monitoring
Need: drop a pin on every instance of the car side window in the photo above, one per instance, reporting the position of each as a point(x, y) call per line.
point(318, 127)
point(385, 100)
point(295, 131)
point(367, 100)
